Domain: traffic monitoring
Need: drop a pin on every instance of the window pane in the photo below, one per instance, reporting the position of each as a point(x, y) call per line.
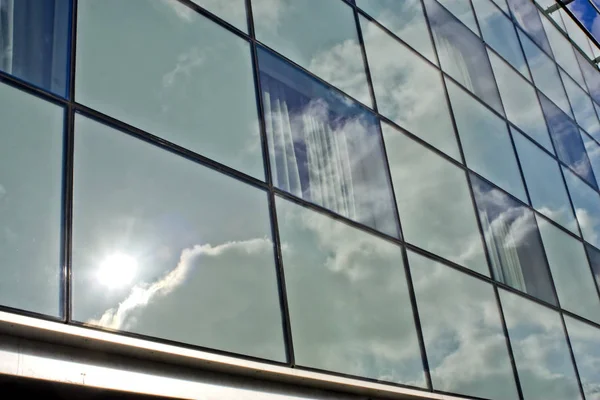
point(348, 299)
point(587, 207)
point(462, 55)
point(526, 16)
point(513, 242)
point(462, 10)
point(323, 147)
point(583, 108)
point(34, 42)
point(405, 19)
point(571, 272)
point(585, 341)
point(408, 90)
point(520, 102)
point(486, 142)
point(544, 182)
point(592, 76)
point(594, 257)
point(433, 199)
point(540, 350)
point(156, 253)
point(460, 331)
point(232, 11)
point(320, 36)
point(30, 202)
point(545, 74)
point(198, 92)
point(563, 51)
point(499, 32)
point(593, 152)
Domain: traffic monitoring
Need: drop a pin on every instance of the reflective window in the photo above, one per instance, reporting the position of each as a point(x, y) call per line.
point(408, 90)
point(319, 36)
point(433, 199)
point(199, 93)
point(594, 257)
point(232, 11)
point(587, 207)
point(461, 326)
point(567, 141)
point(148, 259)
point(486, 142)
point(583, 108)
point(502, 5)
point(513, 242)
point(593, 152)
point(540, 350)
point(30, 202)
point(34, 42)
point(585, 342)
point(462, 10)
point(545, 74)
point(323, 147)
point(573, 279)
point(462, 55)
point(526, 16)
point(348, 299)
point(563, 51)
point(545, 183)
point(405, 19)
point(520, 102)
point(591, 75)
point(499, 32)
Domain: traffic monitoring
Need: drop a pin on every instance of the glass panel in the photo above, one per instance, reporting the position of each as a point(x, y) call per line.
point(462, 55)
point(593, 151)
point(232, 11)
point(583, 108)
point(585, 342)
point(348, 298)
point(323, 147)
point(587, 207)
point(461, 326)
point(486, 142)
point(520, 102)
point(173, 73)
point(499, 32)
point(594, 257)
point(526, 16)
point(148, 259)
point(513, 242)
point(576, 33)
point(319, 36)
point(540, 350)
point(545, 74)
point(502, 5)
point(405, 19)
point(408, 90)
point(30, 202)
point(462, 10)
point(567, 141)
point(545, 183)
point(591, 75)
point(563, 51)
point(571, 272)
point(434, 202)
point(34, 42)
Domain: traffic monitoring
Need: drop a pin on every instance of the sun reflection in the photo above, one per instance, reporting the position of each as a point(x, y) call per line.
point(117, 270)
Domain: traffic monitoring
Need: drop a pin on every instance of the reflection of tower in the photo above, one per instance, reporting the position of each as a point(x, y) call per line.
point(503, 252)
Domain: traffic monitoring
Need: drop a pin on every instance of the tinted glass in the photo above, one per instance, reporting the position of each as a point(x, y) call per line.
point(462, 10)
point(563, 51)
point(594, 258)
point(585, 342)
point(34, 42)
point(30, 202)
point(408, 90)
point(199, 93)
point(406, 19)
point(587, 207)
point(544, 182)
point(323, 147)
point(520, 102)
point(571, 272)
point(461, 326)
point(232, 11)
point(462, 54)
point(583, 108)
point(513, 242)
point(593, 152)
point(540, 350)
point(591, 75)
point(348, 299)
point(486, 142)
point(434, 202)
point(156, 253)
point(319, 36)
point(526, 16)
point(499, 32)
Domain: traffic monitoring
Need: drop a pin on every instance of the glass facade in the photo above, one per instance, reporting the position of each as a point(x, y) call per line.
point(404, 192)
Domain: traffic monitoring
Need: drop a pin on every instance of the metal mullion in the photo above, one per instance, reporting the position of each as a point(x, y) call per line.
point(214, 18)
point(476, 20)
point(572, 355)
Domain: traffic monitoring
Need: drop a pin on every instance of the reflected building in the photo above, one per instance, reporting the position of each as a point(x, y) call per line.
point(297, 199)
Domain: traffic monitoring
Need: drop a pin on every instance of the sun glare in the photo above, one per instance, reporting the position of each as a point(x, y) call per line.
point(117, 270)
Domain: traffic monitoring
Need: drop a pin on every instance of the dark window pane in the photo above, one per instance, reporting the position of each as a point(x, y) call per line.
point(232, 11)
point(585, 341)
point(462, 55)
point(34, 42)
point(591, 75)
point(348, 298)
point(594, 257)
point(323, 147)
point(461, 9)
point(526, 16)
point(461, 326)
point(165, 247)
point(513, 242)
point(30, 202)
point(587, 207)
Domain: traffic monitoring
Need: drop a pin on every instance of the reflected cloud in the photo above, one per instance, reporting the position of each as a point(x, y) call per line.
point(183, 12)
point(186, 63)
